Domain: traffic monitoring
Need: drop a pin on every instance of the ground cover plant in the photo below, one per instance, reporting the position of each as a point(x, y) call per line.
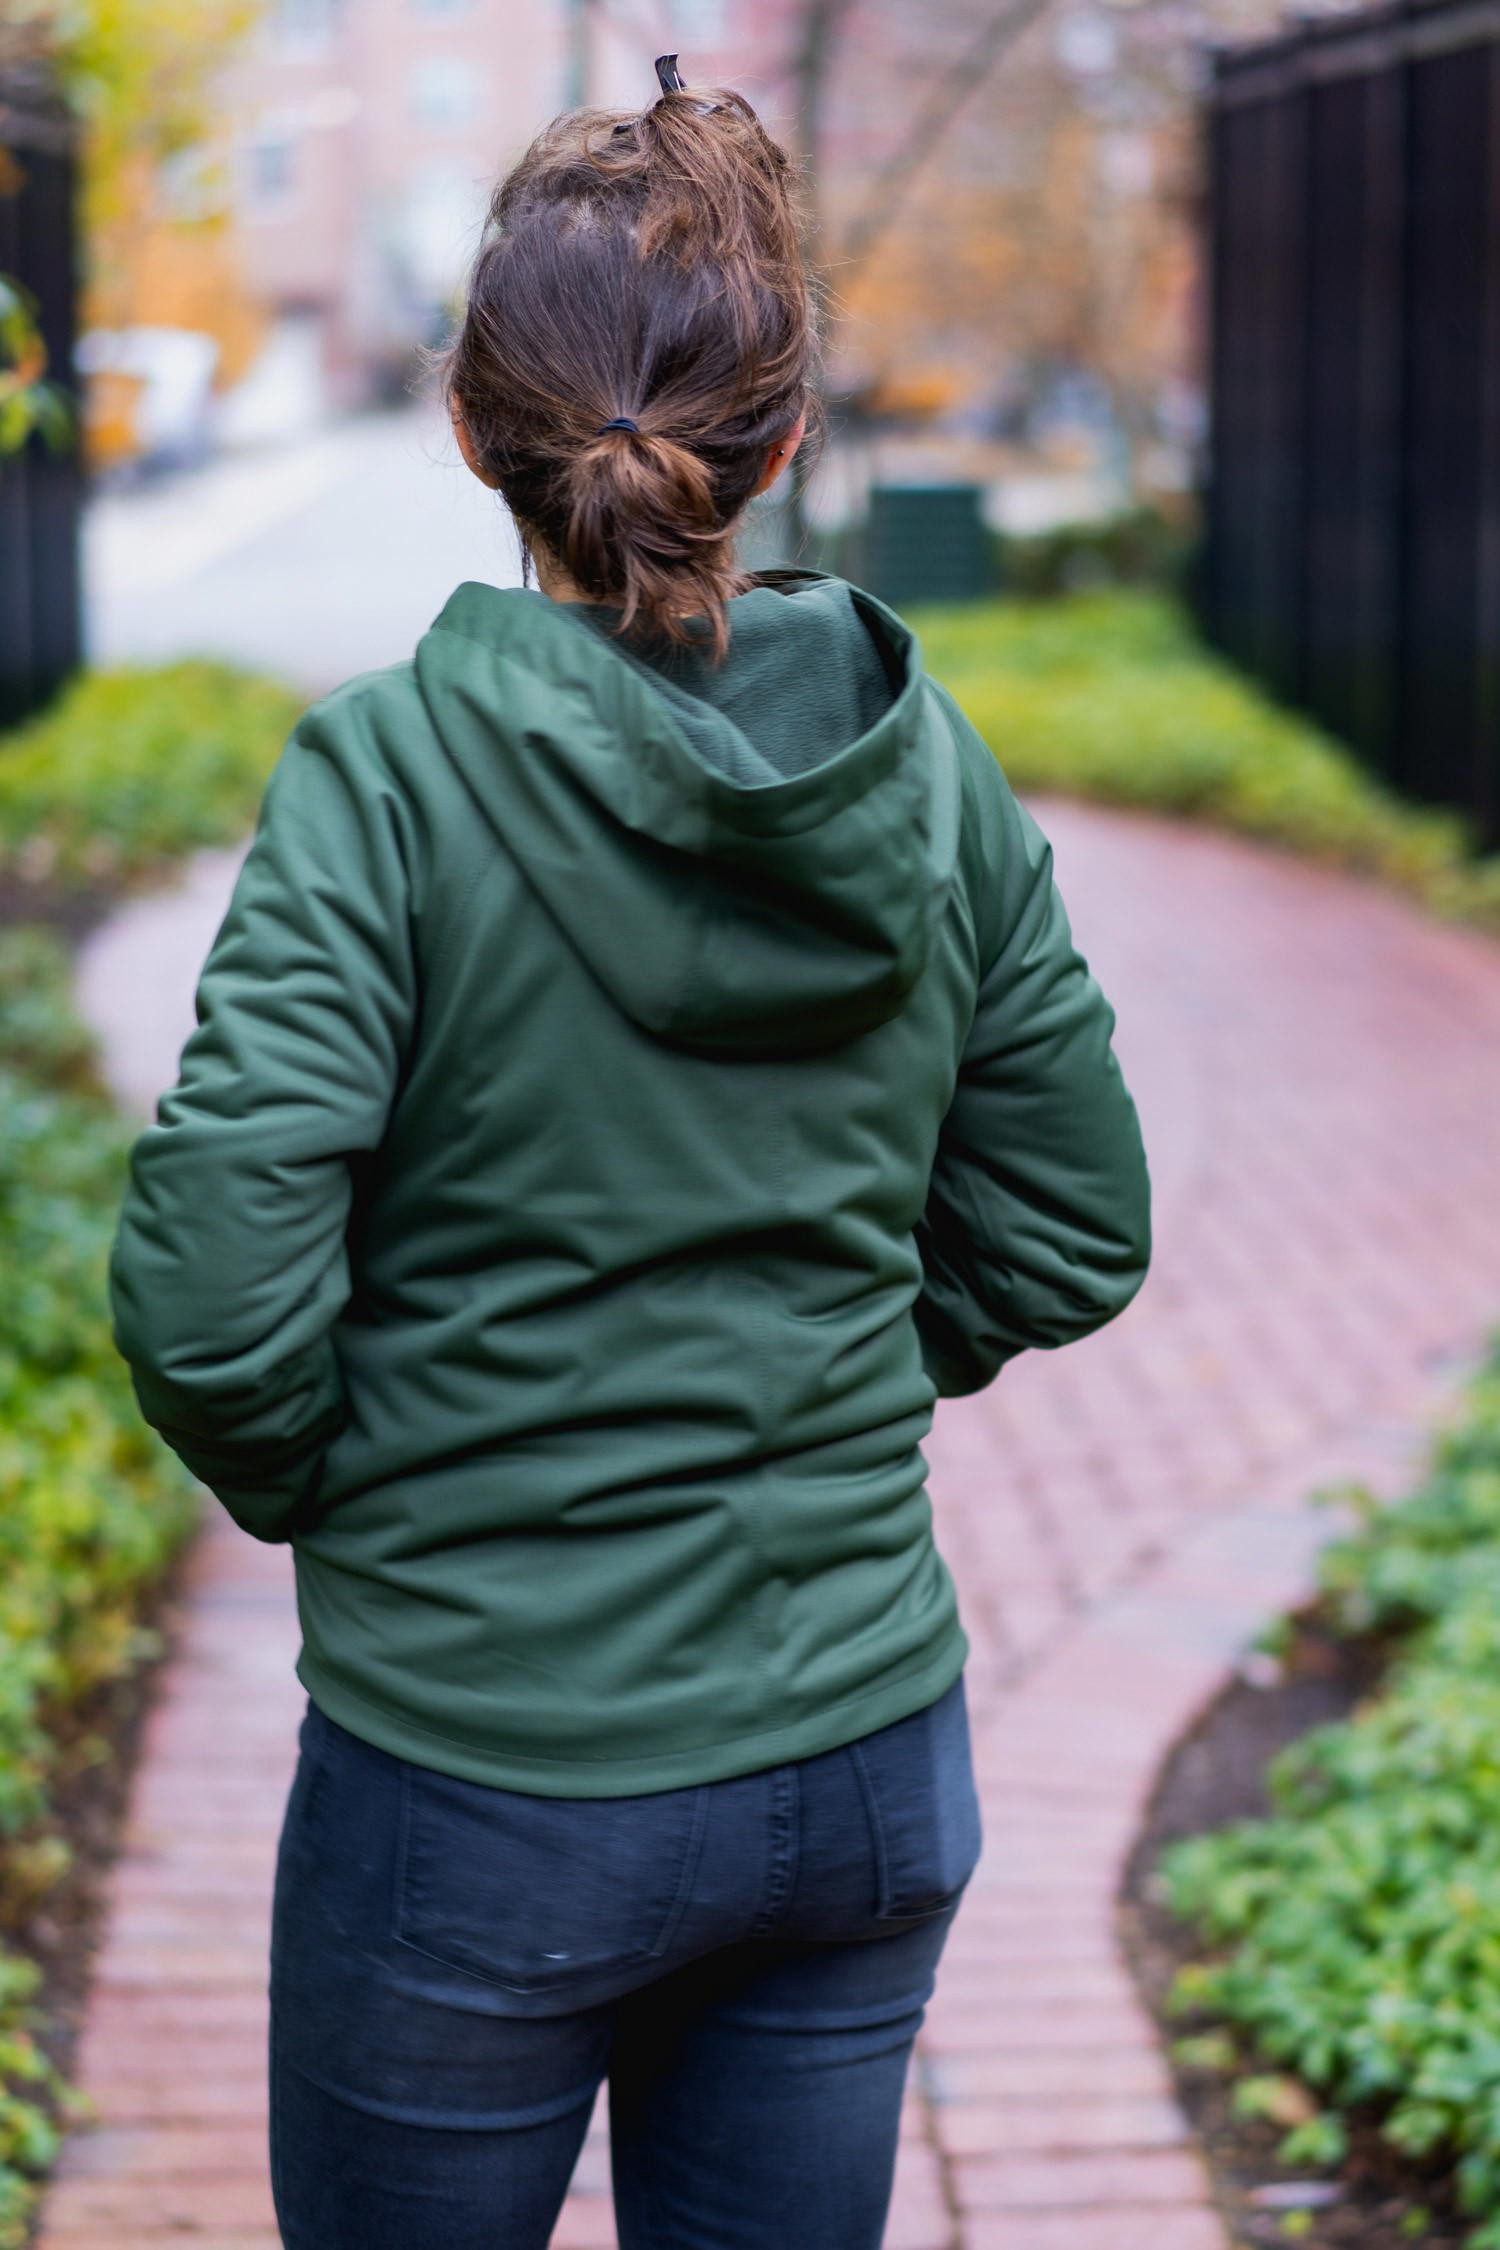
point(92, 1507)
point(1112, 696)
point(128, 770)
point(1106, 695)
point(1354, 1935)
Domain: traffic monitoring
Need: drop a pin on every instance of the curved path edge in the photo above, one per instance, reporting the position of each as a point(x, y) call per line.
point(1041, 2114)
point(1053, 2104)
point(1318, 1068)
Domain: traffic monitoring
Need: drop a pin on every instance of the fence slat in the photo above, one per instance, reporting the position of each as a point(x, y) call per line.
point(1353, 502)
point(40, 490)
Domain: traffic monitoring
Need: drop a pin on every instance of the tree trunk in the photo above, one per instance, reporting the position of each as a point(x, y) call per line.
point(822, 22)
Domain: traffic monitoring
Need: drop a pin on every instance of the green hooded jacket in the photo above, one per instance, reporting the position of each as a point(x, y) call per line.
point(624, 1096)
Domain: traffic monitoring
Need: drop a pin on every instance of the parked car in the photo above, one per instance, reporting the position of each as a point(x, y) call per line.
point(150, 397)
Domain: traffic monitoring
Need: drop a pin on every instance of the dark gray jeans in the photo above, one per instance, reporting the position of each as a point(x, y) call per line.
point(455, 1968)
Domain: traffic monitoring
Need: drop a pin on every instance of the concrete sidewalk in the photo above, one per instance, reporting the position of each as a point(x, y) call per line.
point(1318, 1069)
point(313, 561)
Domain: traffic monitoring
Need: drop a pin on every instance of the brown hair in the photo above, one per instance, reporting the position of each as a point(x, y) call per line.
point(651, 268)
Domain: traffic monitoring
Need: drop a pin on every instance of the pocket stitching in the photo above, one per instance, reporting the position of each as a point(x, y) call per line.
point(877, 1832)
point(885, 1910)
point(692, 1852)
point(400, 1917)
point(398, 1856)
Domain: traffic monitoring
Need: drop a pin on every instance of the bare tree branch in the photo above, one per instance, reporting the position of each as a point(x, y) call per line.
point(812, 61)
point(812, 64)
point(957, 85)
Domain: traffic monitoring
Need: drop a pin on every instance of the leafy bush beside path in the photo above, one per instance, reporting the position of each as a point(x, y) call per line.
point(92, 1506)
point(1113, 697)
point(129, 770)
point(1102, 695)
point(1356, 1932)
point(1359, 1929)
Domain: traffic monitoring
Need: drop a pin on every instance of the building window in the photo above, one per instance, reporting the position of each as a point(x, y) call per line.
point(700, 23)
point(436, 228)
point(303, 30)
point(444, 95)
point(271, 169)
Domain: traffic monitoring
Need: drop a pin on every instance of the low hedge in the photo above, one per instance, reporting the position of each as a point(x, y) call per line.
point(1360, 1927)
point(1142, 547)
point(92, 1506)
point(108, 789)
point(1101, 695)
point(1112, 697)
point(130, 769)
point(1145, 546)
point(1355, 1933)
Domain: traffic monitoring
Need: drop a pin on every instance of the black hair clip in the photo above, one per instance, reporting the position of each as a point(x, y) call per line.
point(671, 81)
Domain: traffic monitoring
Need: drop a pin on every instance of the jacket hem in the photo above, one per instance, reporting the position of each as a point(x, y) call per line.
point(607, 1776)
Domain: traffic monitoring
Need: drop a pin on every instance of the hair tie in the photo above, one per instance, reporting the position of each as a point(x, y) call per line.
point(620, 422)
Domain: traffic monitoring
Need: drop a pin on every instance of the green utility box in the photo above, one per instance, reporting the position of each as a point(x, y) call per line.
point(927, 543)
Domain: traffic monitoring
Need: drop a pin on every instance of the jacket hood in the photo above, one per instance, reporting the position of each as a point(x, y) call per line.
point(735, 887)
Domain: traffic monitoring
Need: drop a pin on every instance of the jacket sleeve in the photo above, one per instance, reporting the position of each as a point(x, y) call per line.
point(1037, 1225)
point(229, 1264)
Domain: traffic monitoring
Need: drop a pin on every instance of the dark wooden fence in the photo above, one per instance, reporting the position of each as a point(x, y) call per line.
point(1352, 558)
point(40, 488)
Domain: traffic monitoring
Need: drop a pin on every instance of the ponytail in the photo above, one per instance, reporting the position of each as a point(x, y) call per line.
point(638, 336)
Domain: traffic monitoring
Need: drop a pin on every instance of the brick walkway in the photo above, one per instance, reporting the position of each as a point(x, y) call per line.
point(1319, 1073)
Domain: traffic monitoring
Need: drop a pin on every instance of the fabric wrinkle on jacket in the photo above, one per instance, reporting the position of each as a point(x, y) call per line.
point(625, 1094)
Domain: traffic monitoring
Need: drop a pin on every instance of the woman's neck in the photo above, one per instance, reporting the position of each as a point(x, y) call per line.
point(554, 580)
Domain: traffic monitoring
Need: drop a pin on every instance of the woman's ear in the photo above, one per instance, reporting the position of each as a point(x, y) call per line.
point(782, 452)
point(467, 447)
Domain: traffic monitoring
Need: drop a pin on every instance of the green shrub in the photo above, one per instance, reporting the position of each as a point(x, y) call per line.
point(40, 1037)
point(1101, 695)
point(1139, 547)
point(92, 1507)
point(1357, 1930)
point(1111, 696)
point(128, 770)
point(1142, 547)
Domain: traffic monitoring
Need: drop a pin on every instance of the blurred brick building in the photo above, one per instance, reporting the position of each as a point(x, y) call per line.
point(366, 134)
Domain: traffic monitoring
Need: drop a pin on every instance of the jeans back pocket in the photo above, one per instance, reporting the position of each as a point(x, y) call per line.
point(917, 1780)
point(541, 1894)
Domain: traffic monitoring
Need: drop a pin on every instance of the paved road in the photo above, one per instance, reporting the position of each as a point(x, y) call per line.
point(314, 562)
point(1319, 1070)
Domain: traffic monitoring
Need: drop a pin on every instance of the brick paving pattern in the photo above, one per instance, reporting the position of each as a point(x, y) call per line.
point(1318, 1069)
